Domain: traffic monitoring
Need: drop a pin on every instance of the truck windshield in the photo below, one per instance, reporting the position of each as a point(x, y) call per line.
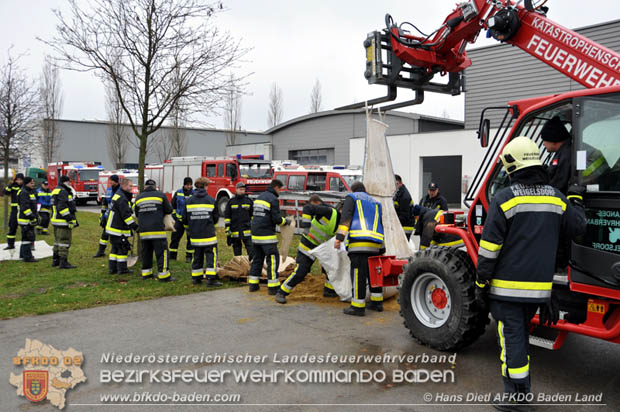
point(351, 178)
point(88, 175)
point(253, 171)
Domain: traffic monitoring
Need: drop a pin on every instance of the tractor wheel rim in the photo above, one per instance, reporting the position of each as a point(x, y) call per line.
point(430, 300)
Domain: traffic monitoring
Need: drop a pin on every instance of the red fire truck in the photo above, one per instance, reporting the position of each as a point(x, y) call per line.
point(223, 172)
point(84, 178)
point(104, 181)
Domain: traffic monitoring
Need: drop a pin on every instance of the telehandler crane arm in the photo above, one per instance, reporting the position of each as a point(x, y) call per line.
point(398, 59)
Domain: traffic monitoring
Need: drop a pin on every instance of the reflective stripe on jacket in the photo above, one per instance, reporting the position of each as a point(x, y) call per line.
point(44, 198)
point(26, 206)
point(238, 216)
point(63, 206)
point(120, 218)
point(366, 230)
point(266, 215)
point(150, 207)
point(519, 241)
point(200, 217)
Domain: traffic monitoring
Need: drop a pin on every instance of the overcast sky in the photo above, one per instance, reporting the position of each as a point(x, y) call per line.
point(293, 43)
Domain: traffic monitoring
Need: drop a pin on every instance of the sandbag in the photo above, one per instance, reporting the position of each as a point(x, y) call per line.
point(337, 265)
point(286, 237)
point(169, 223)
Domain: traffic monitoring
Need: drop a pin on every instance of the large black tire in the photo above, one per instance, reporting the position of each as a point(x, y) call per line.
point(461, 321)
point(222, 201)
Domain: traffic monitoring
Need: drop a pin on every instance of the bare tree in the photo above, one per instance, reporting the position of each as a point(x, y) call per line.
point(316, 97)
point(117, 136)
point(50, 92)
point(274, 113)
point(19, 112)
point(140, 45)
point(232, 115)
point(173, 139)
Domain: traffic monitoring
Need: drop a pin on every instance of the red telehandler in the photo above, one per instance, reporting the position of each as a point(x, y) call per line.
point(437, 284)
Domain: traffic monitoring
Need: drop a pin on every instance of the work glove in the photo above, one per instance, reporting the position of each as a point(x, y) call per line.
point(34, 222)
point(134, 226)
point(102, 221)
point(288, 221)
point(482, 295)
point(73, 224)
point(575, 194)
point(549, 312)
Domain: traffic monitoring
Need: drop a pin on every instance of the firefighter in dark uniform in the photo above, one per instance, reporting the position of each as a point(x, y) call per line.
point(151, 206)
point(106, 206)
point(428, 220)
point(119, 226)
point(27, 218)
point(200, 217)
point(266, 215)
point(516, 257)
point(557, 140)
point(179, 199)
point(434, 199)
point(362, 226)
point(319, 222)
point(11, 191)
point(238, 218)
point(44, 198)
point(403, 205)
point(63, 220)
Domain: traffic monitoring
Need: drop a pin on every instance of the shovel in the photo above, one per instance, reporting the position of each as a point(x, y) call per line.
point(132, 259)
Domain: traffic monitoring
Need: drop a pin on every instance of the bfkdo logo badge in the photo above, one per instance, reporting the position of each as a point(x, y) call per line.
point(45, 373)
point(35, 385)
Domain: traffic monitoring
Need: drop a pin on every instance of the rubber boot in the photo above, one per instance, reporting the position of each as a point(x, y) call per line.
point(112, 267)
point(354, 311)
point(22, 250)
point(254, 287)
point(197, 280)
point(168, 279)
point(100, 252)
point(273, 290)
point(212, 282)
point(280, 297)
point(55, 260)
point(173, 255)
point(28, 253)
point(376, 306)
point(329, 293)
point(64, 264)
point(188, 258)
point(122, 268)
point(10, 244)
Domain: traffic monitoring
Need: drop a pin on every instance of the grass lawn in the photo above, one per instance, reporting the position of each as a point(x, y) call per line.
point(37, 288)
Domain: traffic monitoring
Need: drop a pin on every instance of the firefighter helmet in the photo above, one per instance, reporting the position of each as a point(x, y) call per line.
point(520, 153)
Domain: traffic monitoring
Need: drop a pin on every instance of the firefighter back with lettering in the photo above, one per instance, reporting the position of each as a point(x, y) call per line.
point(199, 218)
point(151, 206)
point(264, 239)
point(516, 258)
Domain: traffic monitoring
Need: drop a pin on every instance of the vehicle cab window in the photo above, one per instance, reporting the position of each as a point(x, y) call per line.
point(221, 172)
point(296, 182)
point(211, 170)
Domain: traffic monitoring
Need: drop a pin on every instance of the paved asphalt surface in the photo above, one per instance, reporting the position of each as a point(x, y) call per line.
point(235, 321)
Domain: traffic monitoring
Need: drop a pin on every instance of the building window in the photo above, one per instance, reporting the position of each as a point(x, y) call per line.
point(312, 156)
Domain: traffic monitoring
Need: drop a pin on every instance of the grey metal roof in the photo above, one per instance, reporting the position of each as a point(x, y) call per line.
point(413, 116)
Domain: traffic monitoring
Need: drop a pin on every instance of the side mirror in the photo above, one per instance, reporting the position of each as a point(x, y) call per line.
point(483, 132)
